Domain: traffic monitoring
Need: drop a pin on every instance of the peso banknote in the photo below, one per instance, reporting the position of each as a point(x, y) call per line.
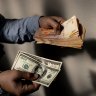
point(46, 68)
point(70, 28)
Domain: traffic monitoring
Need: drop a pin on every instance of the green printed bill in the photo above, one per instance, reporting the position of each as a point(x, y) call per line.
point(47, 69)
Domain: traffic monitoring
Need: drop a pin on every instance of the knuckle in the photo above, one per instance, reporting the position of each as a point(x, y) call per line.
point(16, 71)
point(49, 20)
point(25, 74)
point(28, 75)
point(55, 25)
point(60, 18)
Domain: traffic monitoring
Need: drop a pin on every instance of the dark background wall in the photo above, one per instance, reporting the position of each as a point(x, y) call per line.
point(78, 74)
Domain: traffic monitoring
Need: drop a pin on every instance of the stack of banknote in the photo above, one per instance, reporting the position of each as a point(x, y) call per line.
point(71, 35)
point(47, 69)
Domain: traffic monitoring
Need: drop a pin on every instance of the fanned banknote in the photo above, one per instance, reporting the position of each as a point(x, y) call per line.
point(46, 68)
point(72, 35)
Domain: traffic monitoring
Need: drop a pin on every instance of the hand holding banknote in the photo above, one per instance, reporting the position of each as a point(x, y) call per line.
point(51, 22)
point(18, 83)
point(71, 35)
point(47, 69)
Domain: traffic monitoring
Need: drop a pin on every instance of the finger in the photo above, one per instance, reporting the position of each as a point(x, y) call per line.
point(31, 88)
point(58, 19)
point(28, 76)
point(55, 25)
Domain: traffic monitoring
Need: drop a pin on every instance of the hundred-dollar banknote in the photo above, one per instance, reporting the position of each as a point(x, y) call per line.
point(46, 68)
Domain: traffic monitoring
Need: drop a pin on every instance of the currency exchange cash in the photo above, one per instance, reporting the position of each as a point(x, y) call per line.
point(71, 35)
point(46, 68)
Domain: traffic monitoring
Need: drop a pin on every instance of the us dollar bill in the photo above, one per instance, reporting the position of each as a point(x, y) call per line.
point(46, 68)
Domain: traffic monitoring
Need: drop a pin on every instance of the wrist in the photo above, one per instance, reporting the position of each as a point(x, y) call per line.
point(40, 20)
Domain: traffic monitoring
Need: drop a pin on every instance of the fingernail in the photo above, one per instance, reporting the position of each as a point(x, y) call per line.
point(62, 22)
point(36, 76)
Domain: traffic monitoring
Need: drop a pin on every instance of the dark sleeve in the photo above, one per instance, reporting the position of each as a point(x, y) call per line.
point(2, 21)
point(19, 30)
